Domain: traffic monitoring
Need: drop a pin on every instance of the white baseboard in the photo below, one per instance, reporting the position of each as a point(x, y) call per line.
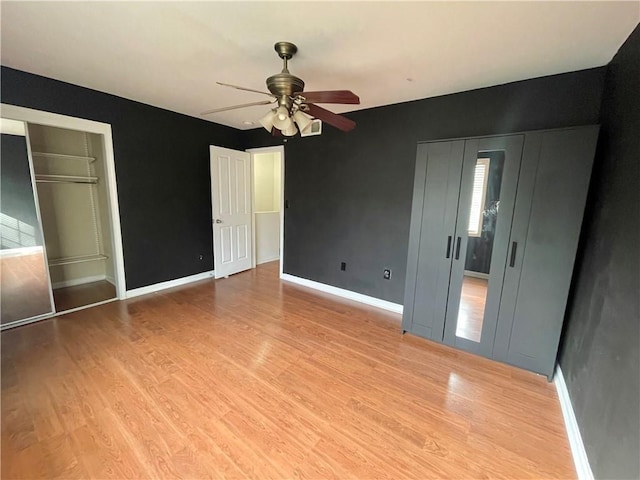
point(78, 281)
point(267, 260)
point(578, 452)
point(341, 292)
point(156, 287)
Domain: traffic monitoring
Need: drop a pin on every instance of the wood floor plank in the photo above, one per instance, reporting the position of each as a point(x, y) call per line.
point(251, 377)
point(102, 450)
point(52, 458)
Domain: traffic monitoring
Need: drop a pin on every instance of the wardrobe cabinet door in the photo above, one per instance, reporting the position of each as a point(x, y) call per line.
point(543, 244)
point(433, 218)
point(487, 196)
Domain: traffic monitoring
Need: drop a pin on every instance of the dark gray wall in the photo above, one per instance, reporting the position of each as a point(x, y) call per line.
point(162, 170)
point(599, 356)
point(350, 193)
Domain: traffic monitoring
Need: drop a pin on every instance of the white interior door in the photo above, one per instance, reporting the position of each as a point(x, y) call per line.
point(231, 207)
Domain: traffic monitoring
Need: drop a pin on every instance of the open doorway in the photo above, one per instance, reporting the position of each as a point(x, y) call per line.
point(268, 204)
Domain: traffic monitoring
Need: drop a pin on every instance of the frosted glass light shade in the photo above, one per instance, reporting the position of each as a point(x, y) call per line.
point(267, 120)
point(281, 119)
point(282, 113)
point(290, 131)
point(302, 119)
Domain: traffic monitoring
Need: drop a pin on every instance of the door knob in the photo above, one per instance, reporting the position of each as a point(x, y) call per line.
point(217, 220)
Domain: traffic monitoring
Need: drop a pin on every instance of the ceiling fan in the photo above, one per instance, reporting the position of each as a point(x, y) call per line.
point(292, 105)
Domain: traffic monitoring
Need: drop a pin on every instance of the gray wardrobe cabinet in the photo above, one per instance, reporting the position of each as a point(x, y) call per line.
point(495, 224)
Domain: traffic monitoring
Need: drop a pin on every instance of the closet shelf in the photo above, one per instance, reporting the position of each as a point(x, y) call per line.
point(62, 156)
point(41, 178)
point(79, 259)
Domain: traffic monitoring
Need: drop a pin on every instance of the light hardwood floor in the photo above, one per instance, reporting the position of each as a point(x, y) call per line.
point(250, 377)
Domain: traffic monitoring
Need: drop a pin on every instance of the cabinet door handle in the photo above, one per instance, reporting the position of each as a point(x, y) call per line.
point(514, 248)
point(458, 248)
point(448, 246)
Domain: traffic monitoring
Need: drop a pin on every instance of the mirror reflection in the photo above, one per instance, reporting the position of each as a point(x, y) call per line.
point(483, 216)
point(24, 281)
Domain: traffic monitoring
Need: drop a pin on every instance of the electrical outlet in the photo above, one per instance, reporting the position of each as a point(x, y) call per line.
point(386, 274)
point(343, 266)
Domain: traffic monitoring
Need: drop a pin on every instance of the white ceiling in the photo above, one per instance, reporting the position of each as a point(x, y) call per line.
point(170, 54)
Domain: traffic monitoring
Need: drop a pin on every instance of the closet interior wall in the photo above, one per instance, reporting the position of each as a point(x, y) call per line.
point(69, 166)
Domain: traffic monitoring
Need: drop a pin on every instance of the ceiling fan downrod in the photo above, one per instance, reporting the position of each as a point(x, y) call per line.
point(284, 84)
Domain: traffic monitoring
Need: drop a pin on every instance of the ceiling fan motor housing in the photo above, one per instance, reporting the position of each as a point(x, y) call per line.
point(284, 84)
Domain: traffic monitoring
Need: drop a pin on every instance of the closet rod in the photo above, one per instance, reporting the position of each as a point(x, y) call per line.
point(86, 182)
point(53, 262)
point(63, 156)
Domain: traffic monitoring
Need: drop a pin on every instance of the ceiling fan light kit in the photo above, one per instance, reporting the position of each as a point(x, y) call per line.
point(294, 105)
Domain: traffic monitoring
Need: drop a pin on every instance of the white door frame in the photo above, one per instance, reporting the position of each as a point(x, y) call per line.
point(276, 149)
point(40, 117)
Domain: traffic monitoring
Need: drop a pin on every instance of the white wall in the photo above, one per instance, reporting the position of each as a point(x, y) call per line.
point(266, 182)
point(266, 190)
point(267, 237)
point(277, 173)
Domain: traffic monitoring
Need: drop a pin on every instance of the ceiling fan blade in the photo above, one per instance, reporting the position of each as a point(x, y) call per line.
point(331, 96)
point(245, 89)
point(275, 132)
point(333, 119)
point(224, 109)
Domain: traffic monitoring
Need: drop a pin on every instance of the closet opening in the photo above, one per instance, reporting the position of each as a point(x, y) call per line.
point(72, 191)
point(268, 219)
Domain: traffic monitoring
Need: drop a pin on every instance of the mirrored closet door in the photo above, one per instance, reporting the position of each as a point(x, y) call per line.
point(464, 195)
point(25, 290)
point(485, 211)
